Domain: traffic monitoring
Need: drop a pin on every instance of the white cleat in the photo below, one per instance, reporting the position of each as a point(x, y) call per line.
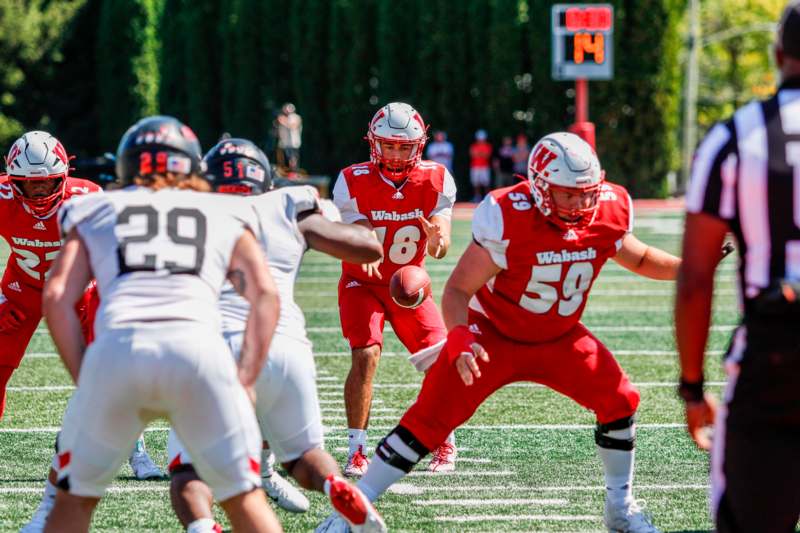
point(284, 494)
point(357, 464)
point(444, 458)
point(143, 467)
point(39, 519)
point(628, 518)
point(355, 508)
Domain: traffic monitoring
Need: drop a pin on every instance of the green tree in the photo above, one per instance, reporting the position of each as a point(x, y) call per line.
point(736, 65)
point(31, 33)
point(127, 51)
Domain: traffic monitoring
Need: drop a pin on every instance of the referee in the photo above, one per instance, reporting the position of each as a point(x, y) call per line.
point(746, 180)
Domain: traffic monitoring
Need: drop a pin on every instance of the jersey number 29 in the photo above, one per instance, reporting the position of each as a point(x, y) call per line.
point(143, 248)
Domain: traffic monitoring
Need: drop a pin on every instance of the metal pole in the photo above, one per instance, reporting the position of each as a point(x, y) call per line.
point(581, 100)
point(690, 93)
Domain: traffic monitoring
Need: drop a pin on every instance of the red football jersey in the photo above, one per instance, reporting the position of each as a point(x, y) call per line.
point(34, 242)
point(547, 271)
point(362, 193)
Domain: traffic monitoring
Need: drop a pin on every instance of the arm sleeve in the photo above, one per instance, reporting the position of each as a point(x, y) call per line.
point(714, 171)
point(487, 230)
point(447, 198)
point(348, 206)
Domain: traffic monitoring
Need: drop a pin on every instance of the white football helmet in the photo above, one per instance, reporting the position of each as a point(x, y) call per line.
point(396, 123)
point(565, 164)
point(38, 156)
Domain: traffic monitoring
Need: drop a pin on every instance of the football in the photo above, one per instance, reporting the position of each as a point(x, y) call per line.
point(410, 286)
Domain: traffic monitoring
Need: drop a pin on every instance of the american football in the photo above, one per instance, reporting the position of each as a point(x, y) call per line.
point(410, 286)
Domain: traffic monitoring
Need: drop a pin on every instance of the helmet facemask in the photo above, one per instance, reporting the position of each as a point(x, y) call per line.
point(581, 203)
point(42, 205)
point(395, 168)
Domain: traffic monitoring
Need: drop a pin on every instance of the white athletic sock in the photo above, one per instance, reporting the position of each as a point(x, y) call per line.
point(49, 490)
point(203, 525)
point(379, 477)
point(267, 462)
point(357, 437)
point(618, 467)
point(451, 438)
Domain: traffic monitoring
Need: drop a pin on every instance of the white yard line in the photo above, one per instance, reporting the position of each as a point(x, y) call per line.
point(411, 489)
point(643, 327)
point(38, 490)
point(643, 384)
point(341, 434)
point(518, 518)
point(468, 502)
point(462, 473)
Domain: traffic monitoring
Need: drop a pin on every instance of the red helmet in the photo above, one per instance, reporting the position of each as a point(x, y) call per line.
point(563, 162)
point(38, 156)
point(397, 123)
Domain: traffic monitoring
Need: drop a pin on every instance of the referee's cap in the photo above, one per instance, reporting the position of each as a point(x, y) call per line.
point(789, 29)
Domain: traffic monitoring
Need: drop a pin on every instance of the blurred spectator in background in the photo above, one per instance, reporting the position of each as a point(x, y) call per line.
point(480, 155)
point(503, 163)
point(521, 152)
point(441, 150)
point(290, 131)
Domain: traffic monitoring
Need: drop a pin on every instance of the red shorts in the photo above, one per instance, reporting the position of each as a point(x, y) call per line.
point(363, 309)
point(577, 365)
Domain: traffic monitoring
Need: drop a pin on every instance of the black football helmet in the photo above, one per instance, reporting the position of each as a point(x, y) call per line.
point(157, 145)
point(238, 166)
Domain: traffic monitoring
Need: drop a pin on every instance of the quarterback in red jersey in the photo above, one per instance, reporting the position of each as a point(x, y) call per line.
point(513, 306)
point(36, 183)
point(408, 203)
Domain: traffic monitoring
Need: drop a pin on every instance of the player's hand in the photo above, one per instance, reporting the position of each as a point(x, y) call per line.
point(11, 317)
point(700, 419)
point(467, 363)
point(434, 234)
point(373, 269)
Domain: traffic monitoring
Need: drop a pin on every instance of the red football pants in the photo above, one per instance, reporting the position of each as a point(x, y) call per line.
point(29, 299)
point(577, 365)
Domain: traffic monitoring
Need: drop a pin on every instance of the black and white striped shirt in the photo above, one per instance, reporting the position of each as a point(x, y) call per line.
point(747, 172)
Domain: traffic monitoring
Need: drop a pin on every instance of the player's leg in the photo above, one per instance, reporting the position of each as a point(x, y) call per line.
point(423, 333)
point(191, 498)
point(362, 317)
point(212, 414)
point(14, 339)
point(95, 437)
point(443, 404)
point(579, 366)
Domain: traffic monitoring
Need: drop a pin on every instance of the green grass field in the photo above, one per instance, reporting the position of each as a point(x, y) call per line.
point(527, 460)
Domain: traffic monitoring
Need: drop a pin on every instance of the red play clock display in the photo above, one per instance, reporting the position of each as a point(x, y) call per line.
point(583, 41)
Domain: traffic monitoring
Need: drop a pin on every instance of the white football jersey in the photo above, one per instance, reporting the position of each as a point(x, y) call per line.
point(157, 255)
point(284, 245)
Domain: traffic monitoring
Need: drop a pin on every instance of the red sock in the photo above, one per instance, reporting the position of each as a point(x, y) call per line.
point(5, 375)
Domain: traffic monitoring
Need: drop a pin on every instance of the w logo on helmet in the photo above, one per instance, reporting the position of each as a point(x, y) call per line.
point(61, 153)
point(541, 158)
point(13, 154)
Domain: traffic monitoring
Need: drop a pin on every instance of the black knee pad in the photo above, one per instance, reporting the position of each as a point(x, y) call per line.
point(604, 441)
point(390, 455)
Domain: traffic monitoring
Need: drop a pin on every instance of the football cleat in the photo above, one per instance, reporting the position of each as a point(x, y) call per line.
point(628, 517)
point(357, 464)
point(39, 519)
point(284, 494)
point(444, 458)
point(143, 467)
point(351, 504)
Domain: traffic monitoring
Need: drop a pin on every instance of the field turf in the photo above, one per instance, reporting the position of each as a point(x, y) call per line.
point(527, 459)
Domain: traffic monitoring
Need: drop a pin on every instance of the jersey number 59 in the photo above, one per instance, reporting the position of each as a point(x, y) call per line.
point(576, 282)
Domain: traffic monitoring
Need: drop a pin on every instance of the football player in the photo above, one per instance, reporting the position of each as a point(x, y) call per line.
point(513, 306)
point(408, 203)
point(37, 181)
point(160, 253)
point(287, 407)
